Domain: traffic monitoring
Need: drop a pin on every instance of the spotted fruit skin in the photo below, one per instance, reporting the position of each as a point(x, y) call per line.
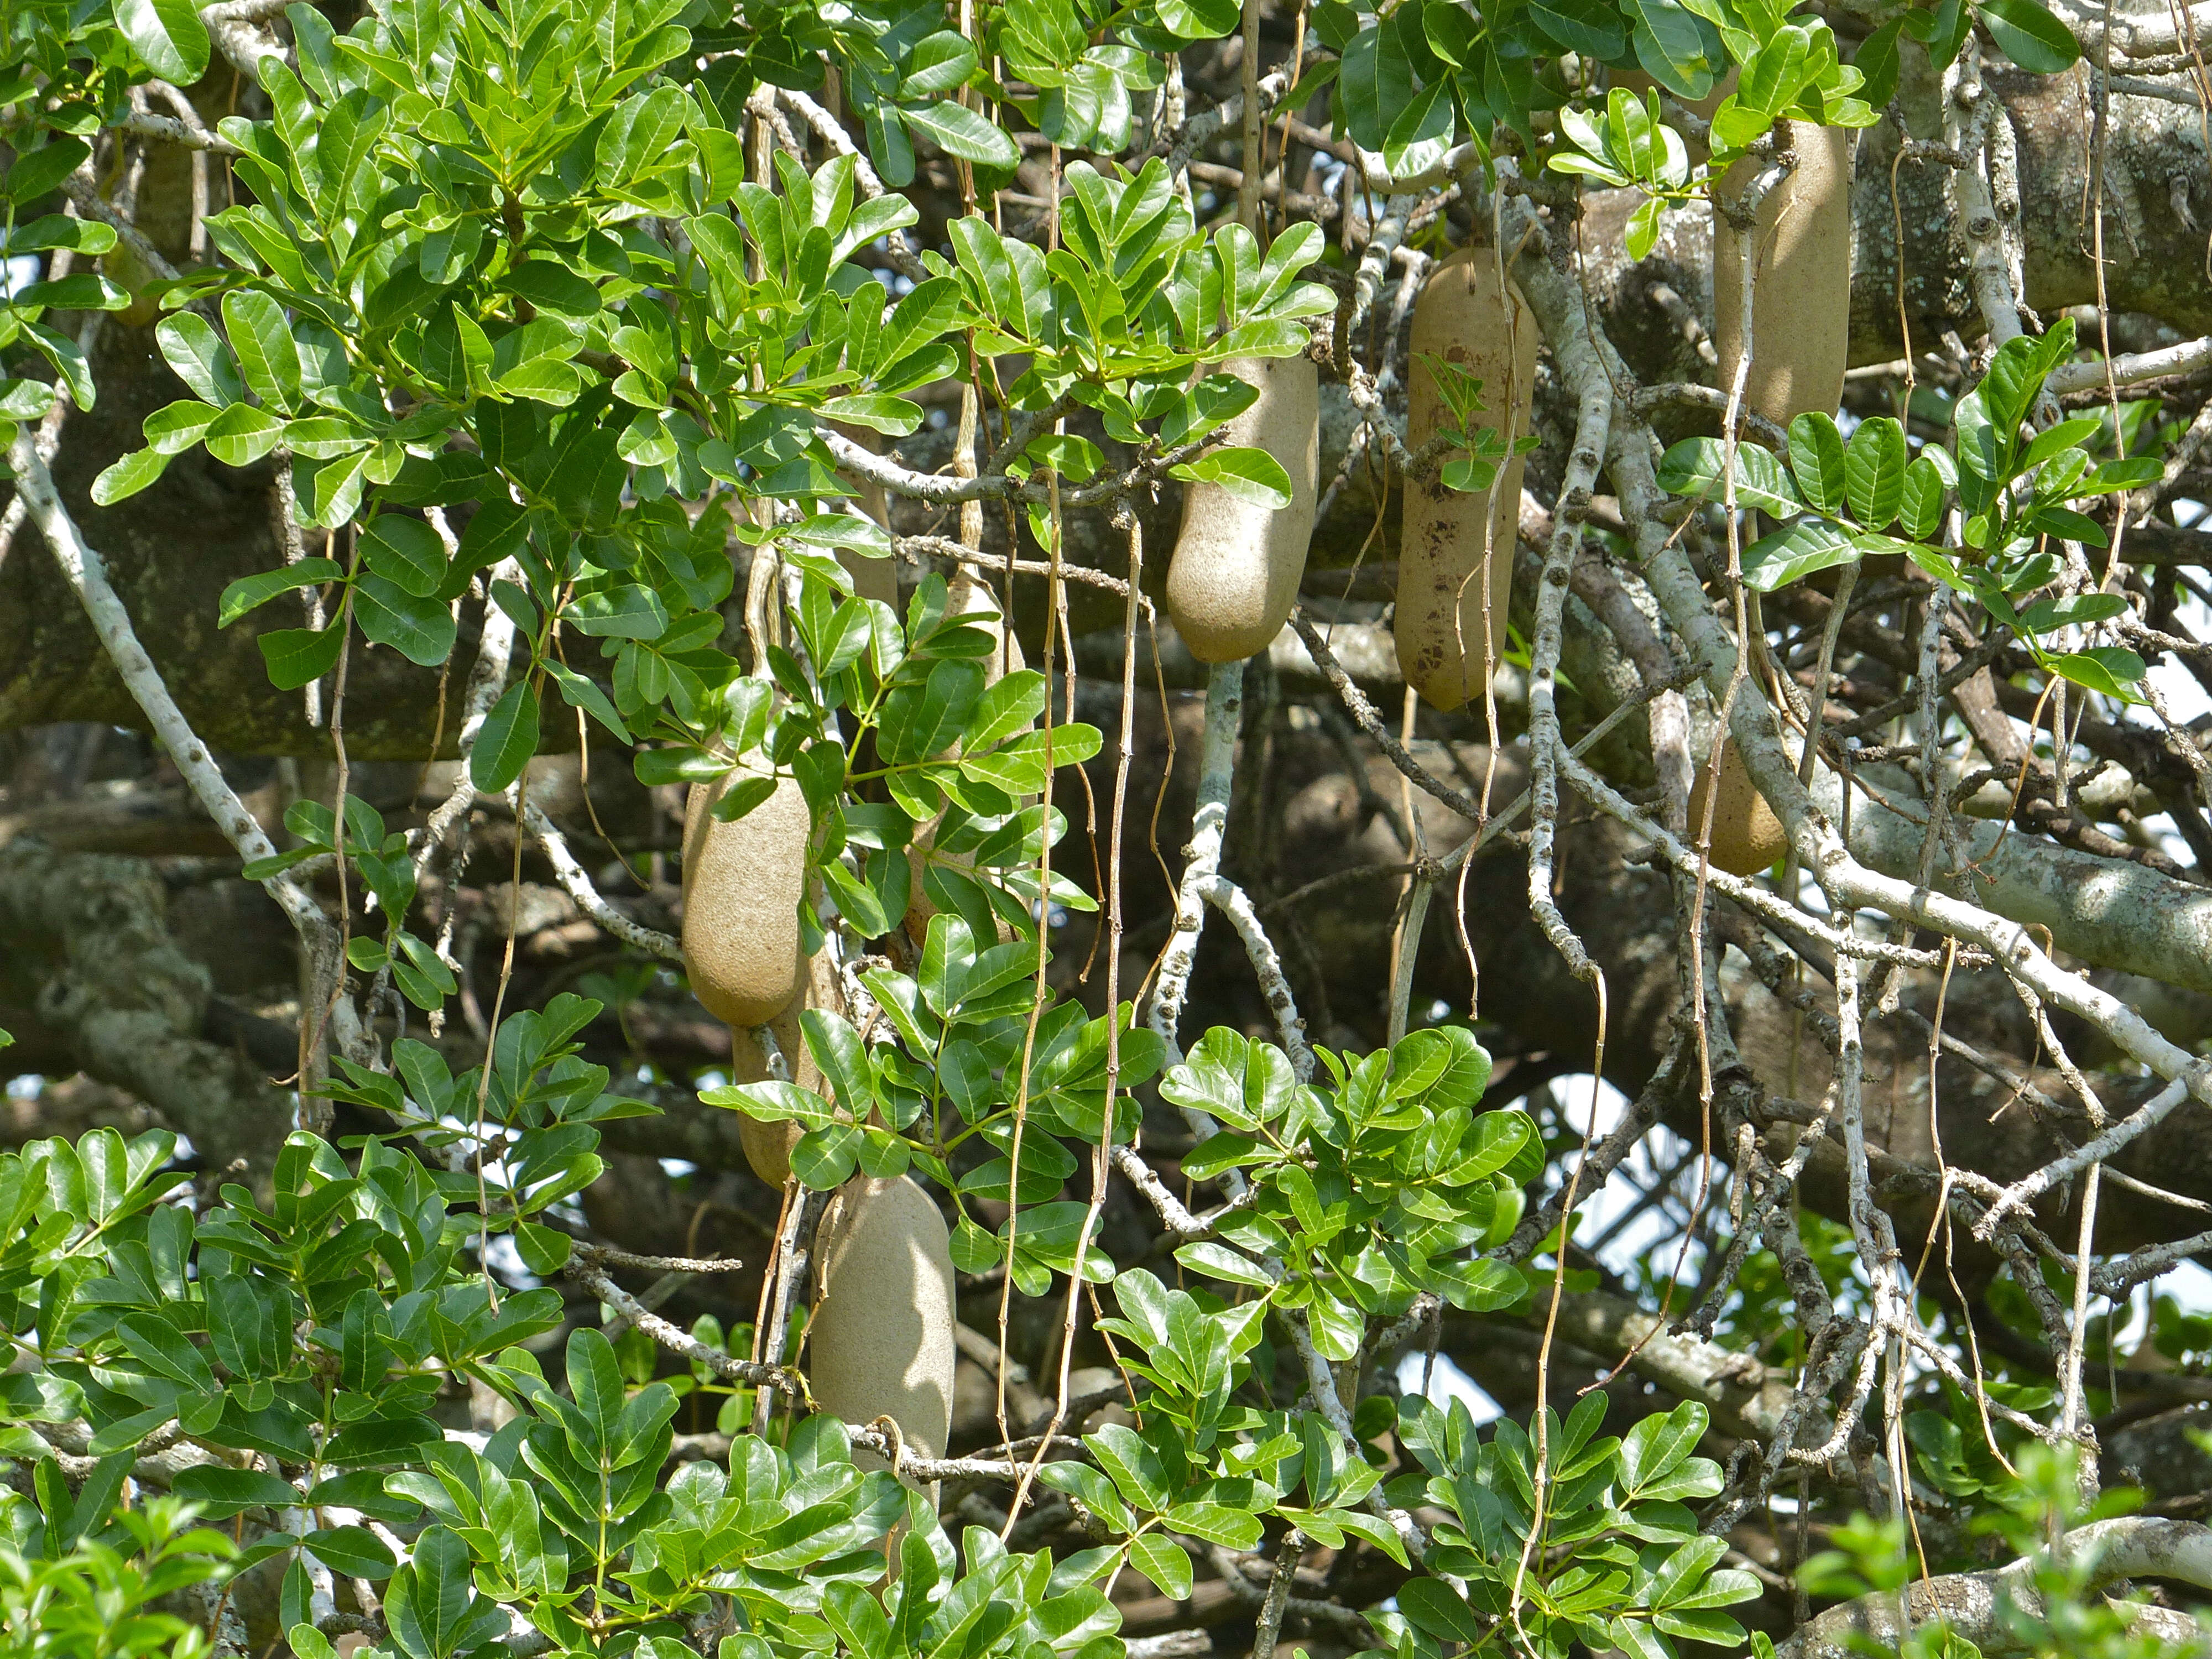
point(1236, 566)
point(1455, 557)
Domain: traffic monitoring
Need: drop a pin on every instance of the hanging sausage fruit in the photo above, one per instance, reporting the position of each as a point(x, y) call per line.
point(1800, 249)
point(742, 885)
point(1456, 560)
point(880, 1341)
point(1747, 835)
point(1235, 574)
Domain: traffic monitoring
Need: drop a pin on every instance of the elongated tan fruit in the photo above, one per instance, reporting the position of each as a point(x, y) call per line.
point(1801, 280)
point(1458, 546)
point(742, 883)
point(1747, 835)
point(881, 1341)
point(1235, 574)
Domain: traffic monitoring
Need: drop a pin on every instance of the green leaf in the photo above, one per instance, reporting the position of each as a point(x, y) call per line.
point(938, 65)
point(405, 552)
point(126, 478)
point(83, 291)
point(2113, 670)
point(1219, 1262)
point(655, 767)
point(1658, 1445)
point(596, 1380)
point(825, 1157)
point(1787, 555)
point(429, 1605)
point(1774, 77)
point(1020, 766)
point(505, 741)
point(68, 358)
point(1920, 503)
point(1877, 59)
point(1436, 1609)
point(55, 230)
point(176, 427)
point(1816, 461)
point(1479, 1285)
point(1587, 26)
point(1873, 470)
point(1698, 466)
point(1422, 134)
point(1376, 83)
point(250, 593)
point(225, 1491)
point(242, 435)
point(742, 796)
point(354, 1551)
point(1701, 1625)
point(580, 692)
point(419, 629)
point(1011, 706)
point(1644, 227)
point(1217, 1523)
point(37, 171)
point(2030, 35)
point(296, 655)
point(1197, 19)
point(963, 133)
point(1164, 1561)
point(266, 353)
point(2079, 609)
point(550, 286)
point(169, 35)
point(1676, 47)
point(1249, 475)
point(1134, 1467)
point(629, 612)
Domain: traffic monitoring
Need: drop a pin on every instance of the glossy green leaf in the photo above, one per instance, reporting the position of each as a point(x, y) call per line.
point(1816, 462)
point(2030, 35)
point(505, 741)
point(1873, 470)
point(1774, 562)
point(169, 35)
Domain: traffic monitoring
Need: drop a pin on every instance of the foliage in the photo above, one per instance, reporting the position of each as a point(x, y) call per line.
point(65, 1595)
point(1570, 1538)
point(516, 266)
point(1980, 515)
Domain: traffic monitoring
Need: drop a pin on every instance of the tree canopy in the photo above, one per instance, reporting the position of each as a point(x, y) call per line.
point(887, 828)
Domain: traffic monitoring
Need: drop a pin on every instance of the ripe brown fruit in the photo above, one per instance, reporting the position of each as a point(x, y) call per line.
point(1801, 281)
point(1464, 316)
point(1235, 574)
point(880, 1343)
point(742, 885)
point(1747, 837)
